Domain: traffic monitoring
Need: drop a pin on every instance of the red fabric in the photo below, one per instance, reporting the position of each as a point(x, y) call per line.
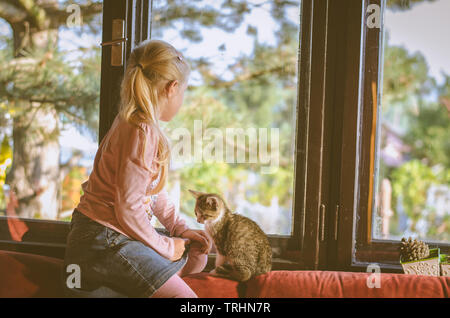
point(207, 286)
point(28, 275)
point(326, 284)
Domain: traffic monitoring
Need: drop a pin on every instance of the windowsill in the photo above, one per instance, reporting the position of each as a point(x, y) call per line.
point(48, 249)
point(277, 264)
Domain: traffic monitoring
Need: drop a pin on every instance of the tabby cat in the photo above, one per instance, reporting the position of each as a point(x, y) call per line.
point(243, 249)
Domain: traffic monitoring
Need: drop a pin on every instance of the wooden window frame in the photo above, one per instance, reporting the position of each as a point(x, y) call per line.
point(48, 238)
point(352, 248)
point(334, 112)
point(338, 71)
point(367, 249)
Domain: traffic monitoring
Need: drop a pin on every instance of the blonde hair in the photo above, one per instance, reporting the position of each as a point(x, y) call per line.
point(151, 66)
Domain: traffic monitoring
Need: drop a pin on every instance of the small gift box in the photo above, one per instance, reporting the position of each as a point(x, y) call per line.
point(428, 266)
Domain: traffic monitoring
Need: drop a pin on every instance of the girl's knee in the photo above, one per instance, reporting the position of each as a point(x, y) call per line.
point(196, 262)
point(198, 259)
point(174, 287)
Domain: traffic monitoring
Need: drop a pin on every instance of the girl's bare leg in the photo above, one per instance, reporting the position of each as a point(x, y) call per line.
point(175, 287)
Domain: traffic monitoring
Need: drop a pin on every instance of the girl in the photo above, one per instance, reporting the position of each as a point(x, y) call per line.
point(111, 239)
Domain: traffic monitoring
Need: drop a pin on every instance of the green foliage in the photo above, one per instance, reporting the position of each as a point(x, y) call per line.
point(279, 184)
point(410, 183)
point(430, 134)
point(5, 157)
point(48, 79)
point(417, 108)
point(206, 177)
point(265, 99)
point(404, 74)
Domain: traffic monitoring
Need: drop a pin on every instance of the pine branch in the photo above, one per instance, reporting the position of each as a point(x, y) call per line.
point(218, 83)
point(61, 109)
point(44, 14)
point(11, 13)
point(87, 12)
point(35, 12)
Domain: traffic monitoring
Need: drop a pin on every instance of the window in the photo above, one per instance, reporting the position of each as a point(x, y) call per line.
point(393, 133)
point(247, 80)
point(49, 117)
point(239, 115)
point(346, 98)
point(413, 179)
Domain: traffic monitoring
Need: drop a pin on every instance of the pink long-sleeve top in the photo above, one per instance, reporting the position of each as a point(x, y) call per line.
point(117, 193)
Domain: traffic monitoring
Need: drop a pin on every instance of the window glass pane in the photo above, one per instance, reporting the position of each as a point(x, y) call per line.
point(243, 57)
point(49, 104)
point(413, 197)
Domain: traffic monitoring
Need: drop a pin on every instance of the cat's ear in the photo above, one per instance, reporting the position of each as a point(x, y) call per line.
point(196, 194)
point(212, 202)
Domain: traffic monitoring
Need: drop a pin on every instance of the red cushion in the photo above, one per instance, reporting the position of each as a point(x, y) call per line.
point(207, 286)
point(29, 275)
point(292, 284)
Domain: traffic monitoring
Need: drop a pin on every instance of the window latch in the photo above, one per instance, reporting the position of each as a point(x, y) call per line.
point(117, 43)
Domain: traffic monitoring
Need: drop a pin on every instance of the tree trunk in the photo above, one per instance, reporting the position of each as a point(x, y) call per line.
point(36, 171)
point(36, 163)
point(36, 149)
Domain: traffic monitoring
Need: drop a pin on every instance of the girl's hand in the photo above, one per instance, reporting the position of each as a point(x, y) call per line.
point(199, 236)
point(179, 244)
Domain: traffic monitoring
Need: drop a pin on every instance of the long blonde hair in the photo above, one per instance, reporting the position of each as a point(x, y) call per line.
point(151, 66)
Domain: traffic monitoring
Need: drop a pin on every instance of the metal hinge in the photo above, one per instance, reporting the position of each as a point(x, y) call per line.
point(336, 221)
point(322, 222)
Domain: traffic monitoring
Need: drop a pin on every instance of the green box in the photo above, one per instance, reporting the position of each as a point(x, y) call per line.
point(445, 265)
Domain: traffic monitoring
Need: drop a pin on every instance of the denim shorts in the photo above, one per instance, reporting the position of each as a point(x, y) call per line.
point(111, 264)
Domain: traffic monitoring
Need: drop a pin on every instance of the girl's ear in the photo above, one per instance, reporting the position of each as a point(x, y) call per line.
point(196, 194)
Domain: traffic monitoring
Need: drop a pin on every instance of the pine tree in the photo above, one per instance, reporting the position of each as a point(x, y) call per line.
point(41, 92)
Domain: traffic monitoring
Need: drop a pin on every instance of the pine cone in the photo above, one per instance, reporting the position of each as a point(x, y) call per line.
point(413, 250)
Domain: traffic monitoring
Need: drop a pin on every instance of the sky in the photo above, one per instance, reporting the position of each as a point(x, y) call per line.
point(237, 43)
point(425, 27)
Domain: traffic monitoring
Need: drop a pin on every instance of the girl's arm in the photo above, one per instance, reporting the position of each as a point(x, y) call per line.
point(131, 179)
point(165, 212)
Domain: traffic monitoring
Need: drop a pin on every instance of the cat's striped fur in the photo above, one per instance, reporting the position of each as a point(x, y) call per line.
point(243, 248)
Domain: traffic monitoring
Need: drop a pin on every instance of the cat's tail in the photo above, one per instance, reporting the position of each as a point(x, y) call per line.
point(236, 272)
